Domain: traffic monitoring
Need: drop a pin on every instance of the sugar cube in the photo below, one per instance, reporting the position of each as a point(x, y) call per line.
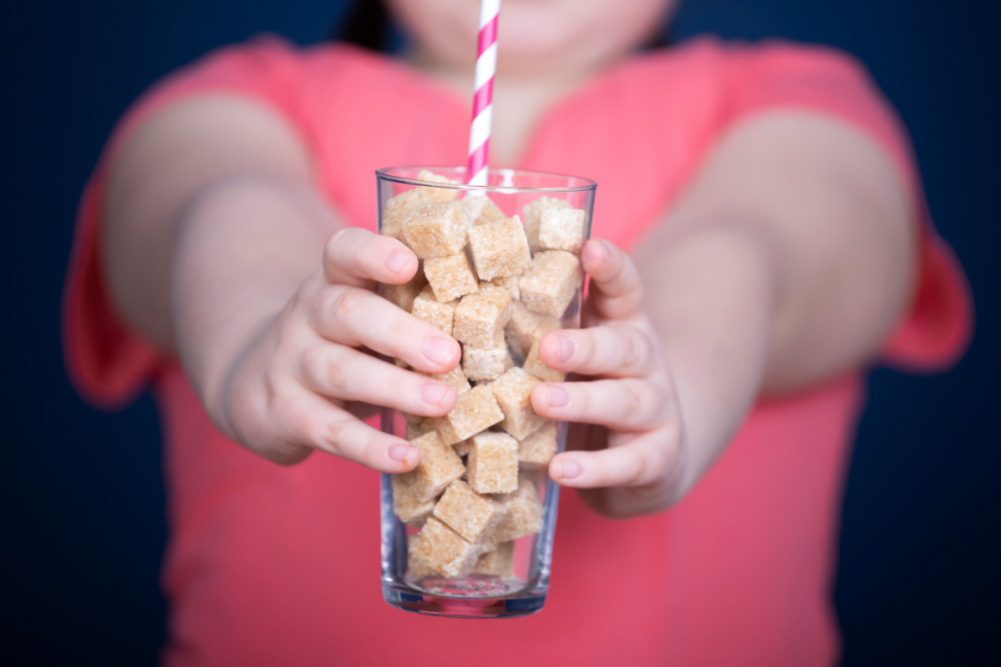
point(474, 411)
point(454, 377)
point(481, 317)
point(419, 428)
point(398, 209)
point(437, 194)
point(407, 503)
point(467, 512)
point(537, 449)
point(497, 563)
point(444, 550)
point(439, 466)
point(562, 229)
point(550, 282)
point(513, 392)
point(522, 516)
point(461, 448)
point(526, 326)
point(481, 210)
point(510, 283)
point(534, 366)
point(493, 463)
point(432, 311)
point(485, 364)
point(532, 213)
point(403, 295)
point(450, 277)
point(499, 249)
point(417, 568)
point(436, 229)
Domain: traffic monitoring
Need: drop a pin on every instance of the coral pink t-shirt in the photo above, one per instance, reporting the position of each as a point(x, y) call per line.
point(280, 566)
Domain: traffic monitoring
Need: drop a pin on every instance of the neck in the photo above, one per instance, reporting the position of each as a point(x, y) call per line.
point(521, 97)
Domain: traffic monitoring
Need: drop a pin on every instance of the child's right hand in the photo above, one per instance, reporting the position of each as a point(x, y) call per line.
point(288, 391)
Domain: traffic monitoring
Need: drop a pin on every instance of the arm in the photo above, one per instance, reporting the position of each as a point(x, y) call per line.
point(786, 263)
point(217, 248)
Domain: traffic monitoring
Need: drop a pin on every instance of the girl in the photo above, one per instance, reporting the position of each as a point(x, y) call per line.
point(777, 244)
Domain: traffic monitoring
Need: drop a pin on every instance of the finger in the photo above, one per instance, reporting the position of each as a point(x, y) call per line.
point(341, 372)
point(611, 351)
point(311, 420)
point(616, 292)
point(357, 317)
point(649, 459)
point(626, 405)
point(358, 257)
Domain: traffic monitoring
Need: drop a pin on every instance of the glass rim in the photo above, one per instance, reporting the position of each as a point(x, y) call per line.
point(385, 174)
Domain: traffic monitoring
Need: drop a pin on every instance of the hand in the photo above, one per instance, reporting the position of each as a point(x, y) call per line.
point(626, 452)
point(287, 392)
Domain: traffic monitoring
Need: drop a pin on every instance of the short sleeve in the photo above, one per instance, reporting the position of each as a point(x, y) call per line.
point(938, 325)
point(107, 363)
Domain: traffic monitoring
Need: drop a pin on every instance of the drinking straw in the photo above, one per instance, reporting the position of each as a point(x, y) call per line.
point(483, 85)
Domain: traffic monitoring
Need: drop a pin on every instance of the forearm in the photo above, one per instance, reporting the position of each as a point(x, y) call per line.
point(712, 297)
point(244, 247)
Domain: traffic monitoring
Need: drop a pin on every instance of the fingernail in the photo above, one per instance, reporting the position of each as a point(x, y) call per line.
point(439, 350)
point(567, 347)
point(434, 393)
point(558, 396)
point(399, 452)
point(605, 248)
point(570, 469)
point(396, 260)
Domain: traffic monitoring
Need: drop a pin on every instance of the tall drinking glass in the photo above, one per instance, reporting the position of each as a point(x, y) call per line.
point(461, 549)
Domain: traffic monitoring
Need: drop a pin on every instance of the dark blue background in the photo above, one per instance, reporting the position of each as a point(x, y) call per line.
point(83, 494)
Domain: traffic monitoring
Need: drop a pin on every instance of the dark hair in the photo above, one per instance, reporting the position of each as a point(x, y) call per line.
point(368, 26)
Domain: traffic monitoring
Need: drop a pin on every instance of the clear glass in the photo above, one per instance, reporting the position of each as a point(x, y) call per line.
point(481, 595)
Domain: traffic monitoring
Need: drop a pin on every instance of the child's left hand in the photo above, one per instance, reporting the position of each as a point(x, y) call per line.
point(627, 451)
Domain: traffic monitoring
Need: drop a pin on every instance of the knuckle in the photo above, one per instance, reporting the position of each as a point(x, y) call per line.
point(346, 304)
point(634, 406)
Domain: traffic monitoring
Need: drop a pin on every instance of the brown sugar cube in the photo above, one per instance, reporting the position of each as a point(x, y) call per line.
point(450, 277)
point(416, 567)
point(461, 448)
point(497, 563)
point(550, 281)
point(510, 283)
point(454, 377)
point(398, 209)
point(481, 317)
point(562, 229)
point(532, 214)
point(432, 311)
point(513, 392)
point(499, 249)
point(444, 550)
point(407, 504)
point(485, 364)
point(537, 449)
point(526, 326)
point(522, 516)
point(419, 428)
point(403, 295)
point(534, 366)
point(436, 229)
point(439, 466)
point(481, 210)
point(437, 194)
point(467, 512)
point(474, 411)
point(493, 463)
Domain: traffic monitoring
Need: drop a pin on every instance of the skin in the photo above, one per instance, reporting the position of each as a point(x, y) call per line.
point(784, 265)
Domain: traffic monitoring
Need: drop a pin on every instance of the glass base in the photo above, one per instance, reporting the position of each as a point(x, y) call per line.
point(461, 607)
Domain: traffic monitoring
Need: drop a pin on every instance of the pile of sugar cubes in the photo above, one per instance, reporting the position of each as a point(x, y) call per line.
point(497, 287)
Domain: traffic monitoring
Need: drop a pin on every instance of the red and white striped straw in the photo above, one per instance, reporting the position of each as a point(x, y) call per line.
point(486, 67)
